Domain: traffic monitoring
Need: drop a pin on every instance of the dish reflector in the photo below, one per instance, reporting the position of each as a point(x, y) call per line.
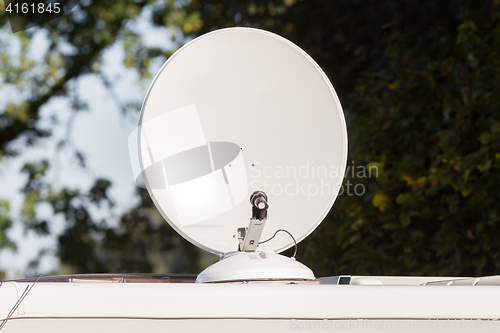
point(235, 111)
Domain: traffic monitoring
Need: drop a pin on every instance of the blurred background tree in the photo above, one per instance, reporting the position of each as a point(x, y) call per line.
point(420, 86)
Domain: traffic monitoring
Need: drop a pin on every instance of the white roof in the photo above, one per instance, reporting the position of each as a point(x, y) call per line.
point(258, 301)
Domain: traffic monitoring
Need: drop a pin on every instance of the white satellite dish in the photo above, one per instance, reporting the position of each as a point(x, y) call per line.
point(232, 112)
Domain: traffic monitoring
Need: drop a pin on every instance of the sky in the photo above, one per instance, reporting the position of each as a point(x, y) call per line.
point(100, 133)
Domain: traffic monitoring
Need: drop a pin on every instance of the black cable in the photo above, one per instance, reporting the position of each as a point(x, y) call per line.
point(19, 301)
point(295, 242)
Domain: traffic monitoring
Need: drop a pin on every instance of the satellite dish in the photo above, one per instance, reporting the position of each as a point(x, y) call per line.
point(232, 112)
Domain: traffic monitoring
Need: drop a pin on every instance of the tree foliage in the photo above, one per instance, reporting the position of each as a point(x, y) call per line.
point(419, 82)
point(429, 120)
